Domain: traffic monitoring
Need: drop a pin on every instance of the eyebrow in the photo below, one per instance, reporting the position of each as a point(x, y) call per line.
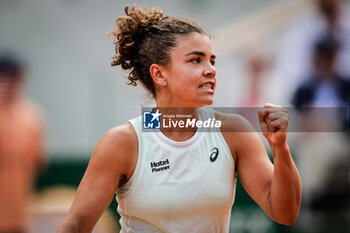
point(200, 54)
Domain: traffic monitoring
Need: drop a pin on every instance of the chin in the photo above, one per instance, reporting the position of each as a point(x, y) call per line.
point(206, 102)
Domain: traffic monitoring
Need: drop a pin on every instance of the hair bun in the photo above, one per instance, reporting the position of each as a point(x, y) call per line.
point(131, 30)
point(143, 17)
point(138, 22)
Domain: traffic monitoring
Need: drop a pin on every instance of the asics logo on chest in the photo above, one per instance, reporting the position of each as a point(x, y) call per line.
point(214, 154)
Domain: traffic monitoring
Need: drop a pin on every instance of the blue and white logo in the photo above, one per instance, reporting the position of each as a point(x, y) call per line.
point(151, 120)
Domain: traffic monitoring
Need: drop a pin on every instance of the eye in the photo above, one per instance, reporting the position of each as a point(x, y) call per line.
point(212, 63)
point(195, 60)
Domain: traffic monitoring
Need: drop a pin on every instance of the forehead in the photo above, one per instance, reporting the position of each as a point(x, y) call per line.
point(193, 42)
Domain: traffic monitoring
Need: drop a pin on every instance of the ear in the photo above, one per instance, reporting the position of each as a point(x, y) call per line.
point(157, 76)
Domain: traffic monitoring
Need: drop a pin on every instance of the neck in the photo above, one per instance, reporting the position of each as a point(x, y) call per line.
point(172, 118)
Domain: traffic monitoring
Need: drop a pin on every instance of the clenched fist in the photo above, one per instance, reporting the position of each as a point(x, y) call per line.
point(273, 120)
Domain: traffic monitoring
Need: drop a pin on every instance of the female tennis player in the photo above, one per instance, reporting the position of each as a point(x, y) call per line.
point(182, 180)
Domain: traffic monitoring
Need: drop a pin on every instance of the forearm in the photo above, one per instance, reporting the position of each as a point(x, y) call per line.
point(72, 226)
point(68, 227)
point(285, 193)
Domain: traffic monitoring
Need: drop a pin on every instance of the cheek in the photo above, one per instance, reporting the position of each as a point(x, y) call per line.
point(186, 78)
point(190, 83)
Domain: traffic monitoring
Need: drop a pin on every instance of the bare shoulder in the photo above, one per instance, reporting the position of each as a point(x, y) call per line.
point(33, 114)
point(119, 141)
point(32, 108)
point(117, 149)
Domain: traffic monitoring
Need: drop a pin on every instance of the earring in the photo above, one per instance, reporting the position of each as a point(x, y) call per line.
point(163, 82)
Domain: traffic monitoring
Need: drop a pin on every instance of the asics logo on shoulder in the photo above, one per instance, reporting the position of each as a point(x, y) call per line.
point(214, 154)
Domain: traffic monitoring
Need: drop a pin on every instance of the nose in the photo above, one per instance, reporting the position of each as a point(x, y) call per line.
point(209, 71)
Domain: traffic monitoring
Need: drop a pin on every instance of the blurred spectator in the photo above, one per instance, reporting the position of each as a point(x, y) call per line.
point(261, 86)
point(294, 61)
point(21, 146)
point(323, 159)
point(256, 69)
point(325, 87)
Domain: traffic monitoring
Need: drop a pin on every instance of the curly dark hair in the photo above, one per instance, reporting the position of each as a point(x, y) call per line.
point(145, 37)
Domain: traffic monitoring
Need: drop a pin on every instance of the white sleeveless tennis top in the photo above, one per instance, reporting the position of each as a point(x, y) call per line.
point(186, 186)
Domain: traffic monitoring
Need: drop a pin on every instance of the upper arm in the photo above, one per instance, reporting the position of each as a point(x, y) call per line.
point(255, 169)
point(253, 165)
point(111, 160)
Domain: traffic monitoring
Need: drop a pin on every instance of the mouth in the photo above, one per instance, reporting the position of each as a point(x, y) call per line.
point(207, 86)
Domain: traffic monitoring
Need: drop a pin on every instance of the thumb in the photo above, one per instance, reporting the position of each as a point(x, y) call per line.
point(262, 113)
